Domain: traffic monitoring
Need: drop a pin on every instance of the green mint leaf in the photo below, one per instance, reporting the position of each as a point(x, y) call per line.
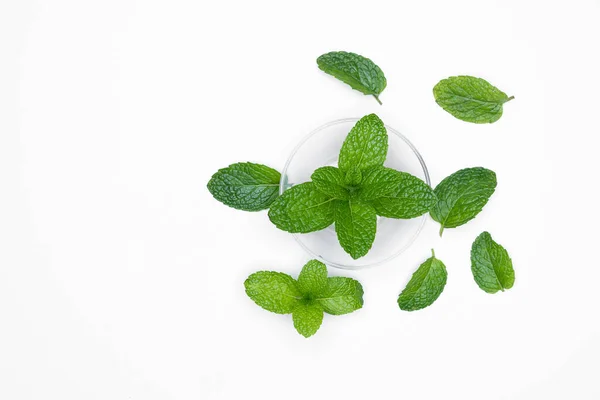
point(355, 225)
point(396, 194)
point(353, 177)
point(343, 296)
point(308, 297)
point(330, 180)
point(425, 286)
point(470, 99)
point(307, 318)
point(312, 280)
point(491, 265)
point(302, 209)
point(365, 146)
point(273, 291)
point(357, 71)
point(462, 195)
point(245, 186)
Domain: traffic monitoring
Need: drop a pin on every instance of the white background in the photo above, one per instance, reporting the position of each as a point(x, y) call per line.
point(122, 278)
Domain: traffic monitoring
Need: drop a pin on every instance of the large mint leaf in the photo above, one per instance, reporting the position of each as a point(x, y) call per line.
point(462, 195)
point(425, 286)
point(312, 280)
point(406, 196)
point(302, 209)
point(273, 291)
point(355, 225)
point(365, 146)
point(330, 180)
point(470, 99)
point(357, 71)
point(491, 265)
point(343, 295)
point(245, 186)
point(307, 318)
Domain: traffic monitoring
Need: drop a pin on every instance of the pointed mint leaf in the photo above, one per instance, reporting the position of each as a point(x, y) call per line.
point(491, 265)
point(343, 296)
point(245, 186)
point(353, 177)
point(357, 71)
point(470, 99)
point(365, 146)
point(302, 209)
point(462, 195)
point(425, 286)
point(355, 225)
point(274, 291)
point(308, 318)
point(330, 180)
point(312, 280)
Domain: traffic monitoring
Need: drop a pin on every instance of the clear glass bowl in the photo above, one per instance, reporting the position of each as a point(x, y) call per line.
point(321, 147)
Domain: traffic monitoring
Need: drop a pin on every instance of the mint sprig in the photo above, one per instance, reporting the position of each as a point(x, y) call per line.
point(306, 298)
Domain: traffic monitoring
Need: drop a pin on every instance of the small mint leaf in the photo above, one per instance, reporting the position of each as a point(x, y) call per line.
point(355, 225)
point(353, 176)
point(274, 291)
point(365, 146)
point(302, 209)
point(330, 180)
point(491, 265)
point(425, 286)
point(245, 186)
point(343, 296)
point(312, 280)
point(307, 318)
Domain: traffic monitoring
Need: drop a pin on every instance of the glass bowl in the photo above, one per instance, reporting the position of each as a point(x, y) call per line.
point(321, 147)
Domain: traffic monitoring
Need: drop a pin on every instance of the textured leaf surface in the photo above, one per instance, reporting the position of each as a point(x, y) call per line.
point(462, 195)
point(307, 318)
point(343, 295)
point(357, 71)
point(245, 186)
point(355, 225)
point(470, 99)
point(353, 177)
point(330, 180)
point(312, 280)
point(379, 182)
point(491, 265)
point(412, 198)
point(273, 291)
point(425, 286)
point(365, 146)
point(302, 209)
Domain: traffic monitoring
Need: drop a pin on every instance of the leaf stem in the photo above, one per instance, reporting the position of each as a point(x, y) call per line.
point(509, 99)
point(441, 230)
point(379, 101)
point(432, 253)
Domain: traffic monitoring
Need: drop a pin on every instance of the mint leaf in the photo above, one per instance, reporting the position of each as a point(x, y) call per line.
point(308, 318)
point(353, 177)
point(491, 265)
point(245, 186)
point(343, 295)
point(399, 195)
point(330, 180)
point(355, 225)
point(425, 286)
point(274, 291)
point(462, 195)
point(308, 297)
point(365, 146)
point(470, 99)
point(302, 209)
point(357, 71)
point(312, 280)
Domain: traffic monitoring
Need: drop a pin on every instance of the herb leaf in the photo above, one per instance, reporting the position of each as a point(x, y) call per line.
point(462, 195)
point(355, 225)
point(470, 99)
point(379, 182)
point(425, 286)
point(357, 71)
point(343, 295)
point(331, 181)
point(245, 186)
point(491, 265)
point(365, 146)
point(307, 298)
point(302, 209)
point(274, 291)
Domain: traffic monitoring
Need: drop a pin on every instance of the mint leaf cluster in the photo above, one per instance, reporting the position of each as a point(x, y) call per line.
point(352, 195)
point(308, 297)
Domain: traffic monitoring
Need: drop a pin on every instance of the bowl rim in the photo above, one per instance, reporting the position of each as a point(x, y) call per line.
point(283, 188)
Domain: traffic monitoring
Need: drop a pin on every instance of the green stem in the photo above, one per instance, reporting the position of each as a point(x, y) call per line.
point(509, 99)
point(432, 253)
point(379, 101)
point(441, 230)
